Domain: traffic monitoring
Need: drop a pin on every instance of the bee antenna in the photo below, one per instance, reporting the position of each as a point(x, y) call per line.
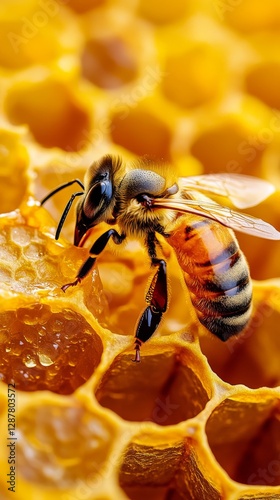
point(65, 213)
point(59, 188)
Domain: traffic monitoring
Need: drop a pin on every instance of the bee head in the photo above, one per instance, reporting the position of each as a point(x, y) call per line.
point(98, 201)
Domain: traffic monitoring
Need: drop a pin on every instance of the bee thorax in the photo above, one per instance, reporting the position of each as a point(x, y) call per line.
point(140, 181)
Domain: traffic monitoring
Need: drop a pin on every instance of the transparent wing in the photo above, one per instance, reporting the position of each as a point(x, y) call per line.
point(242, 190)
point(224, 215)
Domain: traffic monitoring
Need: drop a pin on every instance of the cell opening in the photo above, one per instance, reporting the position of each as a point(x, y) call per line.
point(171, 382)
point(149, 470)
point(64, 124)
point(108, 63)
point(244, 437)
point(166, 470)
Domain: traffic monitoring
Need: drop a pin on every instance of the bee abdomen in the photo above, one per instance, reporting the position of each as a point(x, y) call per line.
point(222, 298)
point(217, 276)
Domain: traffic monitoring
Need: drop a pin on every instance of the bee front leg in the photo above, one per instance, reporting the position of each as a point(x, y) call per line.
point(157, 300)
point(96, 249)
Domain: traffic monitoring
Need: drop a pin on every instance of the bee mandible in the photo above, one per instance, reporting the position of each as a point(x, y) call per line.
point(147, 199)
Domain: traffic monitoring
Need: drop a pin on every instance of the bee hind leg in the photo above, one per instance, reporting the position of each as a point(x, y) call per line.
point(157, 300)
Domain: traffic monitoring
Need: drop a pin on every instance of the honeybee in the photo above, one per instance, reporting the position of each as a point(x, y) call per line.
point(146, 200)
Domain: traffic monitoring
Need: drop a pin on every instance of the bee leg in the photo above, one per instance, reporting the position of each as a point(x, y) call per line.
point(157, 300)
point(96, 249)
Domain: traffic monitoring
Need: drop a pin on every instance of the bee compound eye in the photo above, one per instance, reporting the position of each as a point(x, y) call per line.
point(98, 197)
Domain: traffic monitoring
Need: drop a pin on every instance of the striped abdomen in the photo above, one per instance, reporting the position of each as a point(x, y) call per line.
point(216, 273)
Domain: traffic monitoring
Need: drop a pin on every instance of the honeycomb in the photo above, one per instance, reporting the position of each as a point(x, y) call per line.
point(192, 83)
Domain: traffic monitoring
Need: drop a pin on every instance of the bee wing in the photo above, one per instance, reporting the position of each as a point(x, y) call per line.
point(224, 215)
point(242, 190)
